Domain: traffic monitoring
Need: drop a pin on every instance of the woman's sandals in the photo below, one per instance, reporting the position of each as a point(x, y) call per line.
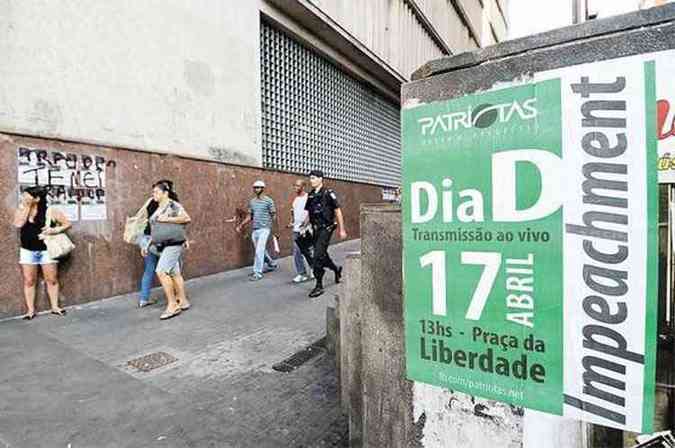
point(168, 315)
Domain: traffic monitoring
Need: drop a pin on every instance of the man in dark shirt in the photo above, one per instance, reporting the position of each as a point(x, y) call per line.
point(324, 213)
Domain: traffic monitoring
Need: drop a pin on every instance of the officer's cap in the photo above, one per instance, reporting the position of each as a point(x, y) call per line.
point(259, 183)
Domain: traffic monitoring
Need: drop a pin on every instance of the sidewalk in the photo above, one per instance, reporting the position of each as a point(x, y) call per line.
point(65, 382)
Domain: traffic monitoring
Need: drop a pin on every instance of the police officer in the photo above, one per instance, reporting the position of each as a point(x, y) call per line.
point(324, 214)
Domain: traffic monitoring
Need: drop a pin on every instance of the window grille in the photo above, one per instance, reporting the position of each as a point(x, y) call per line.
point(316, 116)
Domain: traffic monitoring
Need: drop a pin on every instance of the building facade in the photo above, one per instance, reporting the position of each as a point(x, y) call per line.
point(211, 95)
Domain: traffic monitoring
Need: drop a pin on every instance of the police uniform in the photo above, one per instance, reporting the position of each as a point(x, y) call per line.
point(321, 206)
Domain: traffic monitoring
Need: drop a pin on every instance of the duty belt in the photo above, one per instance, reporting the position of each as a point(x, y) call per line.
point(324, 226)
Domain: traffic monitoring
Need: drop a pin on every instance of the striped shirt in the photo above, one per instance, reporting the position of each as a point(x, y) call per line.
point(261, 212)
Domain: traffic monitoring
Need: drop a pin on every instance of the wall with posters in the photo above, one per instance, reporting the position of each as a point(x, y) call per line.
point(75, 183)
point(102, 186)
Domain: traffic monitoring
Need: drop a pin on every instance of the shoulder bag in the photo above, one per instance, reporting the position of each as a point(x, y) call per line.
point(59, 245)
point(162, 233)
point(135, 225)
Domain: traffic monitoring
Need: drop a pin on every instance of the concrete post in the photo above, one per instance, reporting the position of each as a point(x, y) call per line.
point(398, 413)
point(350, 311)
point(387, 395)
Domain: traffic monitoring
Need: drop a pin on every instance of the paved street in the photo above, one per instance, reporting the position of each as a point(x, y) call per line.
point(66, 382)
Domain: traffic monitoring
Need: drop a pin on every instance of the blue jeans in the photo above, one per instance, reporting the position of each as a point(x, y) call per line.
point(149, 263)
point(299, 257)
point(262, 257)
point(149, 266)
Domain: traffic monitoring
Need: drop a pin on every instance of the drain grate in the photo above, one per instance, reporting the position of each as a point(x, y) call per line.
point(297, 359)
point(152, 361)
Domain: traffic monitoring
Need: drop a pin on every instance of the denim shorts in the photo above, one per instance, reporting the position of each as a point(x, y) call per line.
point(170, 260)
point(35, 257)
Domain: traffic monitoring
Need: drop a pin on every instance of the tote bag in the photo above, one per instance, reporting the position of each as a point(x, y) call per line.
point(59, 245)
point(135, 225)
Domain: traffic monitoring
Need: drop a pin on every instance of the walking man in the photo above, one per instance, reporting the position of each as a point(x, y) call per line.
point(300, 247)
point(263, 213)
point(325, 215)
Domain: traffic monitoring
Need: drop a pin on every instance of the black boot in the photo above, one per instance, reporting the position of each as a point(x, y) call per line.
point(338, 274)
point(317, 291)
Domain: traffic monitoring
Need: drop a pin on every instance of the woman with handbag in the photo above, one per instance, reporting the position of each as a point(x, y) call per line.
point(167, 234)
point(143, 241)
point(36, 222)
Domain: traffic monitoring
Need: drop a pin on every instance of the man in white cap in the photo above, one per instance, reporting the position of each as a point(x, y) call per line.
point(263, 214)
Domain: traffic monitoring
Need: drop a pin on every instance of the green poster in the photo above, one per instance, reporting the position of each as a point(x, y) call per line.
point(485, 342)
point(529, 231)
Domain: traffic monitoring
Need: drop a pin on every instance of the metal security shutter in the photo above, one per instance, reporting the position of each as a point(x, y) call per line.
point(315, 116)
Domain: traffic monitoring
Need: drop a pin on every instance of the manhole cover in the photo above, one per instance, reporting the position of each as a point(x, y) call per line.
point(296, 360)
point(152, 361)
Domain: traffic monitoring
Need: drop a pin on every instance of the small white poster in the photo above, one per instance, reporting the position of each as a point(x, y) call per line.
point(93, 205)
point(63, 199)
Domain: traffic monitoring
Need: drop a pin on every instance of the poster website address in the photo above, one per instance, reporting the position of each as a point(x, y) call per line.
point(477, 386)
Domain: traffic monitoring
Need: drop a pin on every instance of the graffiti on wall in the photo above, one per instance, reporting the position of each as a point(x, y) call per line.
point(76, 183)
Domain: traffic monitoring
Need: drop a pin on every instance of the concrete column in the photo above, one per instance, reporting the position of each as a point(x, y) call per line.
point(387, 395)
point(350, 310)
point(398, 413)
